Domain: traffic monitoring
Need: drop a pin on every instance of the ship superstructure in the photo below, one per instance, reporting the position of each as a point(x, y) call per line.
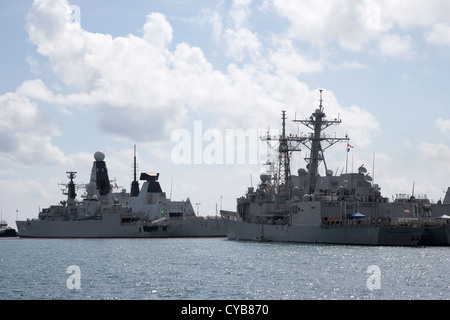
point(102, 213)
point(338, 209)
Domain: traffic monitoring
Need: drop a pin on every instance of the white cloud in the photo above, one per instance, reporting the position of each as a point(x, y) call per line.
point(128, 81)
point(35, 90)
point(439, 35)
point(242, 43)
point(26, 132)
point(438, 154)
point(359, 124)
point(349, 65)
point(33, 63)
point(351, 24)
point(60, 41)
point(443, 125)
point(139, 88)
point(157, 30)
point(286, 58)
point(404, 78)
point(214, 20)
point(411, 13)
point(358, 25)
point(240, 12)
point(396, 46)
point(373, 16)
point(142, 90)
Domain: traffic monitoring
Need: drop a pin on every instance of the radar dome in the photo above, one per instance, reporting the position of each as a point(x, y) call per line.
point(99, 156)
point(362, 170)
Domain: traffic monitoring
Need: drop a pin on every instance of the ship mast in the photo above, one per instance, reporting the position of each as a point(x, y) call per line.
point(71, 188)
point(135, 184)
point(284, 171)
point(287, 145)
point(317, 123)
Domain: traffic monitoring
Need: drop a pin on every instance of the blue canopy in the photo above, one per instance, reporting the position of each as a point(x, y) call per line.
point(356, 215)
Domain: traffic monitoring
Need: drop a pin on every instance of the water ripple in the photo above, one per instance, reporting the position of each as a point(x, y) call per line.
point(217, 269)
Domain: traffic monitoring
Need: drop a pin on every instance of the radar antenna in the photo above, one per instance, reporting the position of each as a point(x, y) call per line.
point(317, 123)
point(70, 187)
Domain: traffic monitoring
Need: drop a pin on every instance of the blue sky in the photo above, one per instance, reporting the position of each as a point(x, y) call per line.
point(141, 72)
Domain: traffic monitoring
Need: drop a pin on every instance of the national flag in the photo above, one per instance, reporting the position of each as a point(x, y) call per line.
point(348, 147)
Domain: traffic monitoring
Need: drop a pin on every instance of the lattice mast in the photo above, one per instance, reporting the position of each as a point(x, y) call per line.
point(317, 123)
point(287, 145)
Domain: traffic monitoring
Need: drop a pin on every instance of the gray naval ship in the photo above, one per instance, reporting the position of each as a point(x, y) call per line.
point(332, 209)
point(419, 209)
point(144, 213)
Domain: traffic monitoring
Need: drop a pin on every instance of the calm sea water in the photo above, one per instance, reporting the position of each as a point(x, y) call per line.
point(210, 269)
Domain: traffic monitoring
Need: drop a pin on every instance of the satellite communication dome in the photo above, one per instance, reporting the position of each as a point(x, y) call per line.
point(362, 170)
point(99, 156)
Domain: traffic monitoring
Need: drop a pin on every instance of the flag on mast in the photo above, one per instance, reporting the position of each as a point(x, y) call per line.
point(346, 158)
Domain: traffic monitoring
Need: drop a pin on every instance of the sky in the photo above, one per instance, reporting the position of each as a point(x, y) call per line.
point(186, 80)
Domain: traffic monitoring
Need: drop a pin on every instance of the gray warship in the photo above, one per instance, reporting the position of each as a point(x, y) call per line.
point(419, 209)
point(142, 213)
point(345, 209)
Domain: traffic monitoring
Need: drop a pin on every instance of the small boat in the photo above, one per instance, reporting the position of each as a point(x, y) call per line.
point(6, 231)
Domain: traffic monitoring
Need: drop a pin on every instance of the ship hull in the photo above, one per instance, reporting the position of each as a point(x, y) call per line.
point(111, 228)
point(5, 233)
point(342, 235)
point(437, 229)
point(436, 236)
